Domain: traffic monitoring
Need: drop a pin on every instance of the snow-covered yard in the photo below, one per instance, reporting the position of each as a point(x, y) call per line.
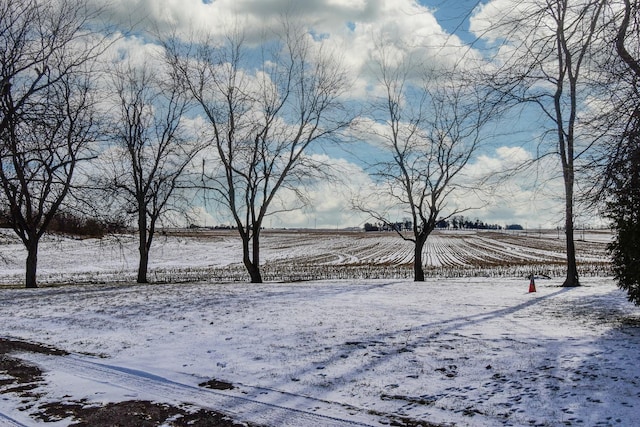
point(478, 351)
point(460, 351)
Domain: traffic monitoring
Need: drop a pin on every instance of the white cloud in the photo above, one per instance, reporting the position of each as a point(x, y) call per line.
point(517, 190)
point(527, 198)
point(330, 203)
point(134, 49)
point(496, 19)
point(503, 159)
point(348, 26)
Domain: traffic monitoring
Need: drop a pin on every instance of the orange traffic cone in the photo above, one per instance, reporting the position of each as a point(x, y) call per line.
point(532, 285)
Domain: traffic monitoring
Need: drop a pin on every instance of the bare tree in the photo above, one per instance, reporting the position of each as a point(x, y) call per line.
point(431, 127)
point(547, 50)
point(619, 165)
point(627, 111)
point(47, 119)
point(145, 169)
point(263, 119)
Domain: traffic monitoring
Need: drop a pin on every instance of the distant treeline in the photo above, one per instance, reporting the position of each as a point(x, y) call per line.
point(454, 223)
point(68, 223)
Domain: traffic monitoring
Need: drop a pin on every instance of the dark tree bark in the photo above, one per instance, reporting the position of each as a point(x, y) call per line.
point(32, 263)
point(418, 264)
point(143, 247)
point(630, 9)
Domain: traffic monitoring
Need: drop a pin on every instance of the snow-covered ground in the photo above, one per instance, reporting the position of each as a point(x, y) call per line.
point(465, 351)
point(461, 351)
point(302, 255)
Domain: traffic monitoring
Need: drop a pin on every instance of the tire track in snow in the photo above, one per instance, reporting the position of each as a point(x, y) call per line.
point(7, 421)
point(262, 406)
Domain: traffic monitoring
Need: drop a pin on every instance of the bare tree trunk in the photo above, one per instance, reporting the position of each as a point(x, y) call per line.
point(142, 248)
point(32, 264)
point(418, 268)
point(47, 110)
point(624, 54)
point(253, 268)
point(568, 175)
point(433, 127)
point(572, 267)
point(158, 152)
point(251, 256)
point(143, 265)
point(254, 271)
point(556, 47)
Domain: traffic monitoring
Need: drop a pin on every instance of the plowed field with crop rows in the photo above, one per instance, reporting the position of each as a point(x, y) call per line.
point(291, 255)
point(447, 253)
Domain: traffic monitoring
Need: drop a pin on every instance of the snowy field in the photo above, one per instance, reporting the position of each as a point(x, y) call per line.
point(303, 255)
point(476, 351)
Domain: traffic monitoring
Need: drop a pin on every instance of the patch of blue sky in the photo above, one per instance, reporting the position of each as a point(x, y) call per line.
point(454, 15)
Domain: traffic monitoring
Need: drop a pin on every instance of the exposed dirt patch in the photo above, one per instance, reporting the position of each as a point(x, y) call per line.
point(18, 377)
point(141, 413)
point(400, 421)
point(217, 385)
point(10, 346)
point(23, 379)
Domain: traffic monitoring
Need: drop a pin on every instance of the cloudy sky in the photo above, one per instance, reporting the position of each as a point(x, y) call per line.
point(435, 31)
